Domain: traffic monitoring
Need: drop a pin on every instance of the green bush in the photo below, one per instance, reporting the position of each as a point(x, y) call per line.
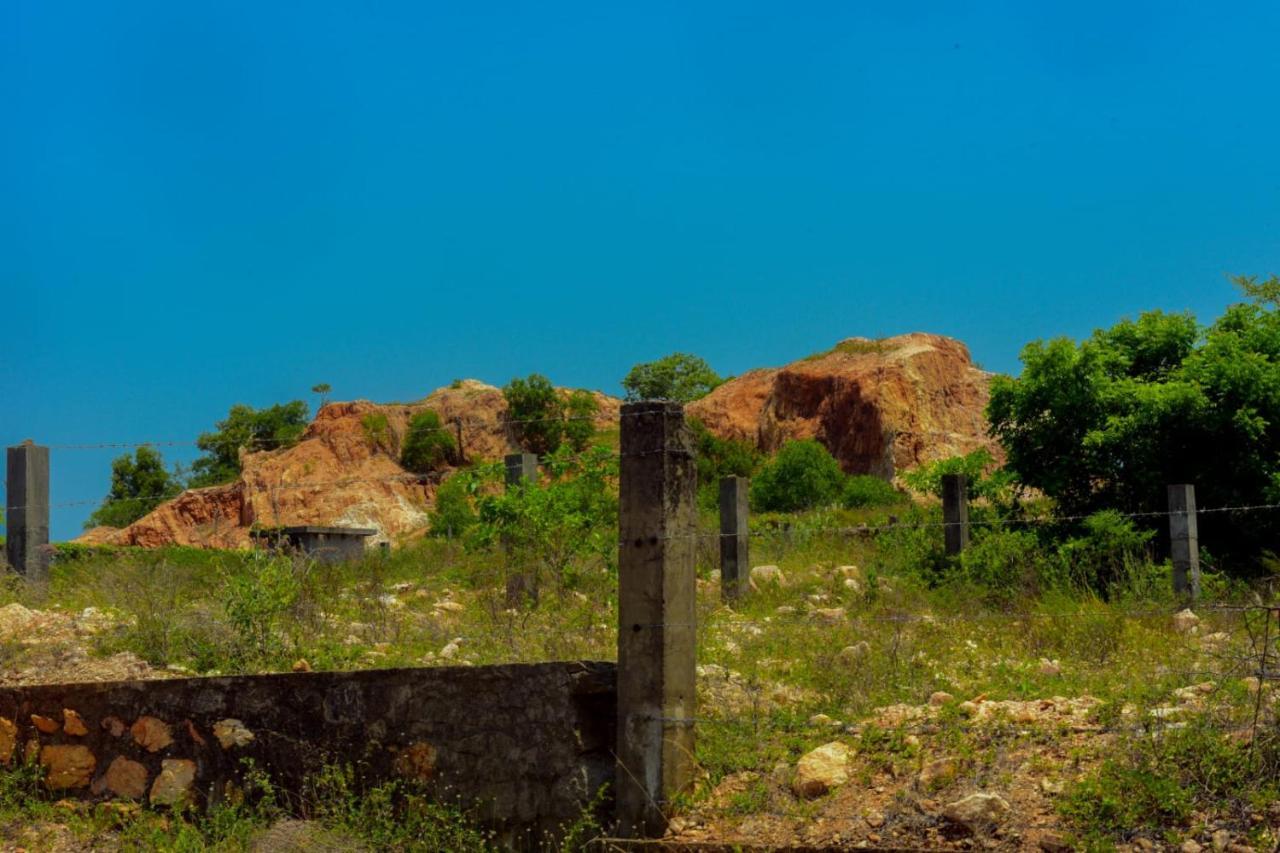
point(377, 431)
point(1110, 551)
point(139, 484)
point(978, 467)
point(803, 475)
point(453, 513)
point(427, 446)
point(580, 410)
point(1006, 565)
point(864, 490)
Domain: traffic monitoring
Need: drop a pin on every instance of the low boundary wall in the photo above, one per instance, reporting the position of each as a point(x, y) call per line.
point(526, 745)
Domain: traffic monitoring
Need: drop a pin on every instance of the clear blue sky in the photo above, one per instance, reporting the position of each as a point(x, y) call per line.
point(210, 203)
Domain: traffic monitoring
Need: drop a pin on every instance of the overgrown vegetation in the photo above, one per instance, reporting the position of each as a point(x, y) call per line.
point(428, 445)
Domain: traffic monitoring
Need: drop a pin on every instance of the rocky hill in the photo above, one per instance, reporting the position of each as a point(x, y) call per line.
point(880, 407)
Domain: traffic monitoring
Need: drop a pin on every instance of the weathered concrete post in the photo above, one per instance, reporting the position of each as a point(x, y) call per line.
point(734, 559)
point(522, 587)
point(656, 704)
point(521, 467)
point(955, 512)
point(1184, 541)
point(27, 509)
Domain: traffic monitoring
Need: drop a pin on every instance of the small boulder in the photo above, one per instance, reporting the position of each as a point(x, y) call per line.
point(977, 810)
point(1184, 621)
point(937, 773)
point(821, 770)
point(940, 698)
point(1049, 668)
point(850, 656)
point(829, 615)
point(67, 766)
point(301, 665)
point(231, 733)
point(762, 576)
point(126, 778)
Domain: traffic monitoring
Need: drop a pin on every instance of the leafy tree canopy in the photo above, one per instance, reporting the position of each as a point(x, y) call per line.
point(1108, 423)
point(541, 418)
point(679, 376)
point(252, 429)
point(139, 483)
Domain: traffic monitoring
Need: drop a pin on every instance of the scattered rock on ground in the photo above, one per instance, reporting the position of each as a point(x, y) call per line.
point(821, 770)
point(977, 810)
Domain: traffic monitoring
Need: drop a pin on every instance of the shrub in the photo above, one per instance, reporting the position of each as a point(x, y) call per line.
point(580, 409)
point(139, 484)
point(984, 482)
point(250, 429)
point(1110, 550)
point(679, 376)
point(803, 475)
point(453, 514)
point(1006, 565)
point(864, 490)
point(428, 445)
point(377, 430)
point(535, 412)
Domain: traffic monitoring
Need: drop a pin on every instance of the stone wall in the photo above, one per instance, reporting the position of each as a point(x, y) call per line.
point(527, 745)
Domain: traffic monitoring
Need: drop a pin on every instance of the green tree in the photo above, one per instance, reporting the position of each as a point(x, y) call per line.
point(1108, 423)
point(139, 483)
point(249, 429)
point(428, 445)
point(581, 410)
point(803, 475)
point(679, 376)
point(535, 412)
point(322, 390)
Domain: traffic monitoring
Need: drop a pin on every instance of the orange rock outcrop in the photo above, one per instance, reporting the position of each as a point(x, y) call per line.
point(880, 407)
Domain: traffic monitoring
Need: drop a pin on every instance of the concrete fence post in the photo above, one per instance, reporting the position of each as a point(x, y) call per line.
point(955, 512)
point(657, 523)
point(735, 567)
point(522, 587)
point(1184, 541)
point(26, 513)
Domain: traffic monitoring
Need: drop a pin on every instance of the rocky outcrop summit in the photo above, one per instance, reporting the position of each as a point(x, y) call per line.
point(880, 406)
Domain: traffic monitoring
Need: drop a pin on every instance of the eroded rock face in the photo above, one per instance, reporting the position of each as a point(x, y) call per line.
point(880, 407)
point(67, 766)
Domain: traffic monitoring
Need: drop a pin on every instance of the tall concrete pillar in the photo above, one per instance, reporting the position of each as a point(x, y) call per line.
point(656, 678)
point(522, 585)
point(1184, 541)
point(27, 509)
point(735, 567)
point(955, 512)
